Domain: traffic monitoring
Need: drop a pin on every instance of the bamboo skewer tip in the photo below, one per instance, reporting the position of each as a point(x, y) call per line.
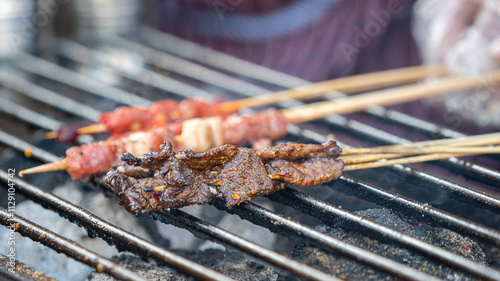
point(92, 129)
point(49, 167)
point(51, 135)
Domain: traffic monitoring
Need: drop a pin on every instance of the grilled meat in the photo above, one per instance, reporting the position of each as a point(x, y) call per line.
point(235, 174)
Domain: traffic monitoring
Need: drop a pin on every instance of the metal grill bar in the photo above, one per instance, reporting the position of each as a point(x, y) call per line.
point(29, 115)
point(84, 55)
point(18, 84)
point(195, 225)
point(328, 212)
point(169, 43)
point(396, 201)
point(191, 69)
point(123, 240)
point(261, 216)
point(20, 145)
point(65, 76)
point(60, 244)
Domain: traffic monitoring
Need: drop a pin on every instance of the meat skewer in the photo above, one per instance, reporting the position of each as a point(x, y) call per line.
point(163, 180)
point(202, 134)
point(170, 180)
point(164, 112)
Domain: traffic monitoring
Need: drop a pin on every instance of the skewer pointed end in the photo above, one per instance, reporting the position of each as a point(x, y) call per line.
point(51, 135)
point(49, 167)
point(92, 129)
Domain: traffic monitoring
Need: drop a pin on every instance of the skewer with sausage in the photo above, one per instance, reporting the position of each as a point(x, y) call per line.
point(165, 112)
point(134, 118)
point(198, 135)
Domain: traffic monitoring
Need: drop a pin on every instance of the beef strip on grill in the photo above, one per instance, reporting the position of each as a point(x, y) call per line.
point(235, 174)
point(306, 172)
point(297, 151)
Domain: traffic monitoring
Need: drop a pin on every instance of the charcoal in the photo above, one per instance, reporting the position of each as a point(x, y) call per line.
point(232, 264)
point(349, 269)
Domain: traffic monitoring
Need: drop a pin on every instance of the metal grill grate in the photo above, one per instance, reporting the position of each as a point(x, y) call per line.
point(193, 64)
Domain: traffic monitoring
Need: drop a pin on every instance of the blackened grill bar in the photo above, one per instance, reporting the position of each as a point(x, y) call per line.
point(397, 202)
point(58, 243)
point(41, 94)
point(327, 212)
point(110, 233)
point(195, 225)
point(274, 222)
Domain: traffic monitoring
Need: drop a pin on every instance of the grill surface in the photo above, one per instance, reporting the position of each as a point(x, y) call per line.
point(469, 195)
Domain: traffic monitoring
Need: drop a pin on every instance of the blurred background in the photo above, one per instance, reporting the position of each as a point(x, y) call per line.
point(65, 61)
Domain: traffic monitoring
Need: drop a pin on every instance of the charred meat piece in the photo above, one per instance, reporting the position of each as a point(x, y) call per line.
point(235, 174)
point(244, 177)
point(297, 151)
point(181, 185)
point(206, 160)
point(306, 172)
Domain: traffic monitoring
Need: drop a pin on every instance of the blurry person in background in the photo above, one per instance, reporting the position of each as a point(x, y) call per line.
point(465, 35)
point(324, 39)
point(311, 39)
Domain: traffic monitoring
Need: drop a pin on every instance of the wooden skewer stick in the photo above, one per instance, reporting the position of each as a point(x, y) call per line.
point(483, 139)
point(51, 135)
point(49, 167)
point(409, 160)
point(92, 129)
point(159, 188)
point(350, 84)
point(429, 146)
point(390, 96)
point(441, 150)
